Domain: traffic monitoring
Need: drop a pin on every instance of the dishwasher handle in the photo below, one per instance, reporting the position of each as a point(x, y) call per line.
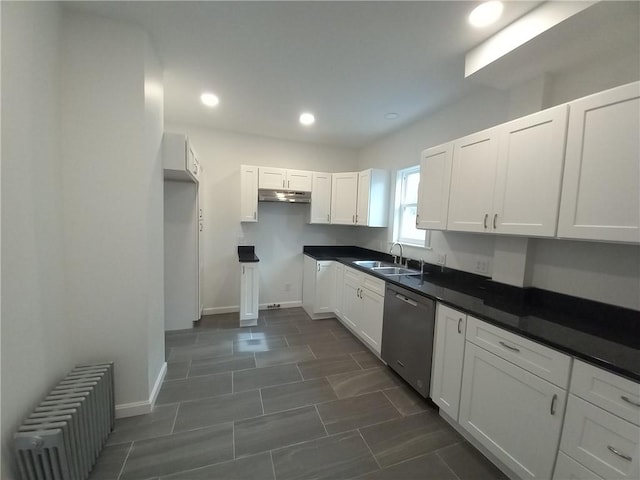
point(406, 300)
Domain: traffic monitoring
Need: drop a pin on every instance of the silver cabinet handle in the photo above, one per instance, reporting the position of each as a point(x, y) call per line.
point(628, 400)
point(495, 219)
point(406, 300)
point(484, 222)
point(618, 453)
point(460, 325)
point(283, 183)
point(358, 293)
point(509, 346)
point(552, 410)
point(288, 183)
point(356, 218)
point(400, 363)
point(243, 269)
point(328, 217)
point(318, 267)
point(255, 215)
point(353, 218)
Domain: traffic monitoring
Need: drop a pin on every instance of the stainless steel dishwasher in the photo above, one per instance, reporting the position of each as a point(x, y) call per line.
point(407, 336)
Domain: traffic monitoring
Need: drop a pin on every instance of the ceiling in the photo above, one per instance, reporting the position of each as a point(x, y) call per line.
point(350, 63)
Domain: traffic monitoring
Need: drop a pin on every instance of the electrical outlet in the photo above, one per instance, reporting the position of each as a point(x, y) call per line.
point(482, 266)
point(441, 258)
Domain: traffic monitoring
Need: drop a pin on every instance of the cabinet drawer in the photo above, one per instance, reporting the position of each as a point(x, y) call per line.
point(374, 284)
point(568, 469)
point(351, 274)
point(601, 441)
point(607, 390)
point(533, 357)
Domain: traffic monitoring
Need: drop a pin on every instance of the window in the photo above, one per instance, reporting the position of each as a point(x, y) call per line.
point(405, 230)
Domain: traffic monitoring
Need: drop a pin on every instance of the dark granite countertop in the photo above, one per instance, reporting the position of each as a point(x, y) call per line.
point(604, 335)
point(247, 254)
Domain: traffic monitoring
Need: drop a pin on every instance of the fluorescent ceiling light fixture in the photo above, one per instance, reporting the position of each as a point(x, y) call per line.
point(391, 116)
point(485, 14)
point(307, 118)
point(209, 99)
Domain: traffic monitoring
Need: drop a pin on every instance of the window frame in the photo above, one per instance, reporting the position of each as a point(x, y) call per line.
point(400, 205)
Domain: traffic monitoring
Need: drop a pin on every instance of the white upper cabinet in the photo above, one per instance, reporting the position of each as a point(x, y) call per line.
point(279, 178)
point(248, 193)
point(344, 196)
point(360, 198)
point(433, 191)
point(179, 160)
point(472, 183)
point(601, 185)
point(529, 175)
point(320, 211)
point(507, 179)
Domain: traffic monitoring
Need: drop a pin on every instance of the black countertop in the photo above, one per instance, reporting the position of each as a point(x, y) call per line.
point(247, 254)
point(604, 335)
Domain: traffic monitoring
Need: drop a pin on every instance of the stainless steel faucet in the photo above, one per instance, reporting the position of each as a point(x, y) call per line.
point(391, 250)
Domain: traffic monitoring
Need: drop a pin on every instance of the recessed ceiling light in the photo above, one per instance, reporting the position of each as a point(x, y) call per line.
point(391, 116)
point(307, 118)
point(485, 14)
point(209, 99)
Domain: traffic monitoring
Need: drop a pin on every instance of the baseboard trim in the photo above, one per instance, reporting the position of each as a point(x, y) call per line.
point(236, 308)
point(132, 409)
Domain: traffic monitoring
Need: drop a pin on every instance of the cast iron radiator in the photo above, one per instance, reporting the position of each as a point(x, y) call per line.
point(62, 438)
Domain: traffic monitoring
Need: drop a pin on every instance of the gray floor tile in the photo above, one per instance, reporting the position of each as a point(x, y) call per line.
point(299, 394)
point(154, 424)
point(469, 464)
point(358, 382)
point(265, 377)
point(177, 370)
point(260, 344)
point(285, 328)
point(339, 347)
point(180, 339)
point(407, 401)
point(194, 388)
point(255, 467)
point(268, 432)
point(228, 363)
point(218, 336)
point(110, 462)
point(278, 356)
point(177, 354)
point(309, 338)
point(323, 367)
point(179, 452)
point(428, 466)
point(224, 408)
point(398, 440)
point(324, 325)
point(356, 412)
point(337, 457)
point(367, 359)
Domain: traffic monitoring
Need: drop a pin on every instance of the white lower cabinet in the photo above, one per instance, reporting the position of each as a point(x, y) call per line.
point(363, 306)
point(514, 414)
point(249, 285)
point(318, 287)
point(338, 289)
point(568, 469)
point(448, 353)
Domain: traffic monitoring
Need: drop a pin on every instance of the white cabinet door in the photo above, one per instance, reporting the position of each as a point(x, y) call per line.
point(364, 192)
point(339, 289)
point(272, 178)
point(433, 192)
point(568, 469)
point(351, 299)
point(344, 194)
point(249, 284)
point(529, 175)
point(299, 180)
point(248, 193)
point(325, 286)
point(371, 311)
point(321, 198)
point(601, 184)
point(472, 181)
point(448, 354)
point(516, 415)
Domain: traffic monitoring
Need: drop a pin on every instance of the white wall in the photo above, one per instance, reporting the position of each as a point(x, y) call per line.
point(111, 131)
point(36, 345)
point(281, 231)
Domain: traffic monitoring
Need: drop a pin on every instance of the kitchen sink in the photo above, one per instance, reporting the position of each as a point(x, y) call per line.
point(394, 271)
point(373, 264)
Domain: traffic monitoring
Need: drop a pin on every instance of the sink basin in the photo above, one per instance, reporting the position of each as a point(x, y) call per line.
point(372, 264)
point(394, 270)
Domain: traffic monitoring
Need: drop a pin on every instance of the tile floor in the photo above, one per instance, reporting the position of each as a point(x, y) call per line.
point(289, 399)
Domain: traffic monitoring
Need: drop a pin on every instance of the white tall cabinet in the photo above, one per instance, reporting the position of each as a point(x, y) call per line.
point(318, 287)
point(601, 184)
point(248, 193)
point(249, 293)
point(183, 223)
